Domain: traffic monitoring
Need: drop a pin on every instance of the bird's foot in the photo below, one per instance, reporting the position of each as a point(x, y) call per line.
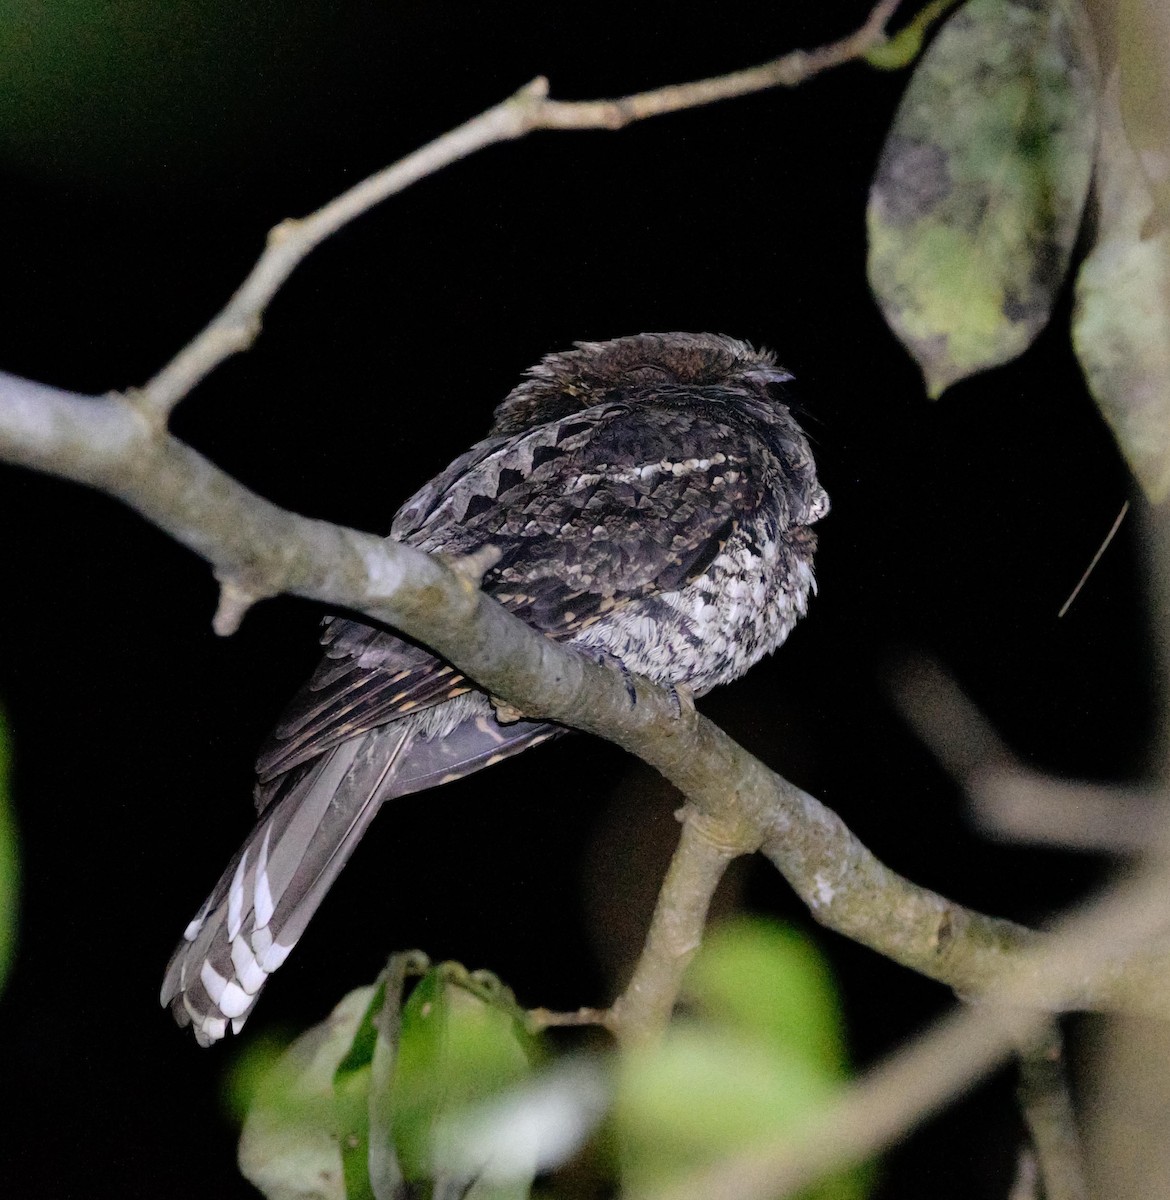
point(604, 658)
point(682, 698)
point(505, 713)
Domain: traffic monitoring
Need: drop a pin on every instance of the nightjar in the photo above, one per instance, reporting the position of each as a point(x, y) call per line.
point(650, 499)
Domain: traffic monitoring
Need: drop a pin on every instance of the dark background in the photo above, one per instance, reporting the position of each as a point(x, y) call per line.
point(145, 148)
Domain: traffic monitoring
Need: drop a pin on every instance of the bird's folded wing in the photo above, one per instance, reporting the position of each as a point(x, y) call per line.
point(589, 514)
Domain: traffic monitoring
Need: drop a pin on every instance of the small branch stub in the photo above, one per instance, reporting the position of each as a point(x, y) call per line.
point(234, 602)
point(471, 568)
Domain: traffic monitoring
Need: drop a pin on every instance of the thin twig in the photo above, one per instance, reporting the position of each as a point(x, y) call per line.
point(1048, 1112)
point(706, 847)
point(237, 325)
point(1095, 560)
point(1022, 806)
point(1010, 800)
point(1026, 1184)
point(789, 70)
point(547, 1018)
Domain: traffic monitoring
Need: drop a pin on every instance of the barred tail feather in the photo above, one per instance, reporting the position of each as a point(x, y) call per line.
point(271, 888)
point(273, 885)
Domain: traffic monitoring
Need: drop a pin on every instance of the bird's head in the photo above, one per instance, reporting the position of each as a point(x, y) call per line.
point(593, 372)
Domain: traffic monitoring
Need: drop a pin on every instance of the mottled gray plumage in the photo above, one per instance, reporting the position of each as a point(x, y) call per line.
point(650, 499)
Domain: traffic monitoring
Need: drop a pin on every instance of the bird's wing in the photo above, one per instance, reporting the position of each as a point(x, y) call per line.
point(589, 514)
point(599, 509)
point(367, 677)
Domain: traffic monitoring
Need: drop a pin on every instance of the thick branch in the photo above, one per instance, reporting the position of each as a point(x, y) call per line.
point(262, 549)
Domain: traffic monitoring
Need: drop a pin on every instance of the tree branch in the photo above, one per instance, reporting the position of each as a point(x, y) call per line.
point(938, 1065)
point(237, 325)
point(262, 550)
point(1048, 1112)
point(120, 445)
point(1010, 800)
point(705, 850)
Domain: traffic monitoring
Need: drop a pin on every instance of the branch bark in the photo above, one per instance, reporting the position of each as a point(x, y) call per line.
point(120, 445)
point(237, 325)
point(261, 549)
point(1047, 1107)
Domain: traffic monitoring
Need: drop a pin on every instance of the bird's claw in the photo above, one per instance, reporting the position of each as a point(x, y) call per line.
point(505, 713)
point(605, 658)
point(682, 698)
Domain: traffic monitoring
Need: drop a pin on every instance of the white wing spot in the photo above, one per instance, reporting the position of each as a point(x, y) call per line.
point(271, 958)
point(211, 1029)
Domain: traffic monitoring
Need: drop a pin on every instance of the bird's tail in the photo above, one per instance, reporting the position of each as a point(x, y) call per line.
point(271, 888)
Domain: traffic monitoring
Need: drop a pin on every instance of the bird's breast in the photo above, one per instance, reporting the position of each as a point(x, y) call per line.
point(716, 627)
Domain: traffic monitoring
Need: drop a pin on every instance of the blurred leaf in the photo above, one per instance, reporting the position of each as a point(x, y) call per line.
point(534, 1127)
point(253, 1060)
point(460, 1042)
point(289, 1147)
point(9, 864)
point(905, 46)
point(980, 187)
point(1143, 46)
point(766, 1050)
point(769, 980)
point(142, 90)
point(705, 1093)
point(1121, 323)
point(380, 1070)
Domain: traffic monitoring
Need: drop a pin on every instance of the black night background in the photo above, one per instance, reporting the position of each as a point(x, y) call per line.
point(144, 153)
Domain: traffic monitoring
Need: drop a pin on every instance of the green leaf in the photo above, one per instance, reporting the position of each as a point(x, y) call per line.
point(289, 1147)
point(252, 1062)
point(1143, 34)
point(705, 1093)
point(9, 865)
point(351, 1091)
point(770, 981)
point(351, 1110)
point(763, 1051)
point(1121, 322)
point(980, 187)
point(460, 1043)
